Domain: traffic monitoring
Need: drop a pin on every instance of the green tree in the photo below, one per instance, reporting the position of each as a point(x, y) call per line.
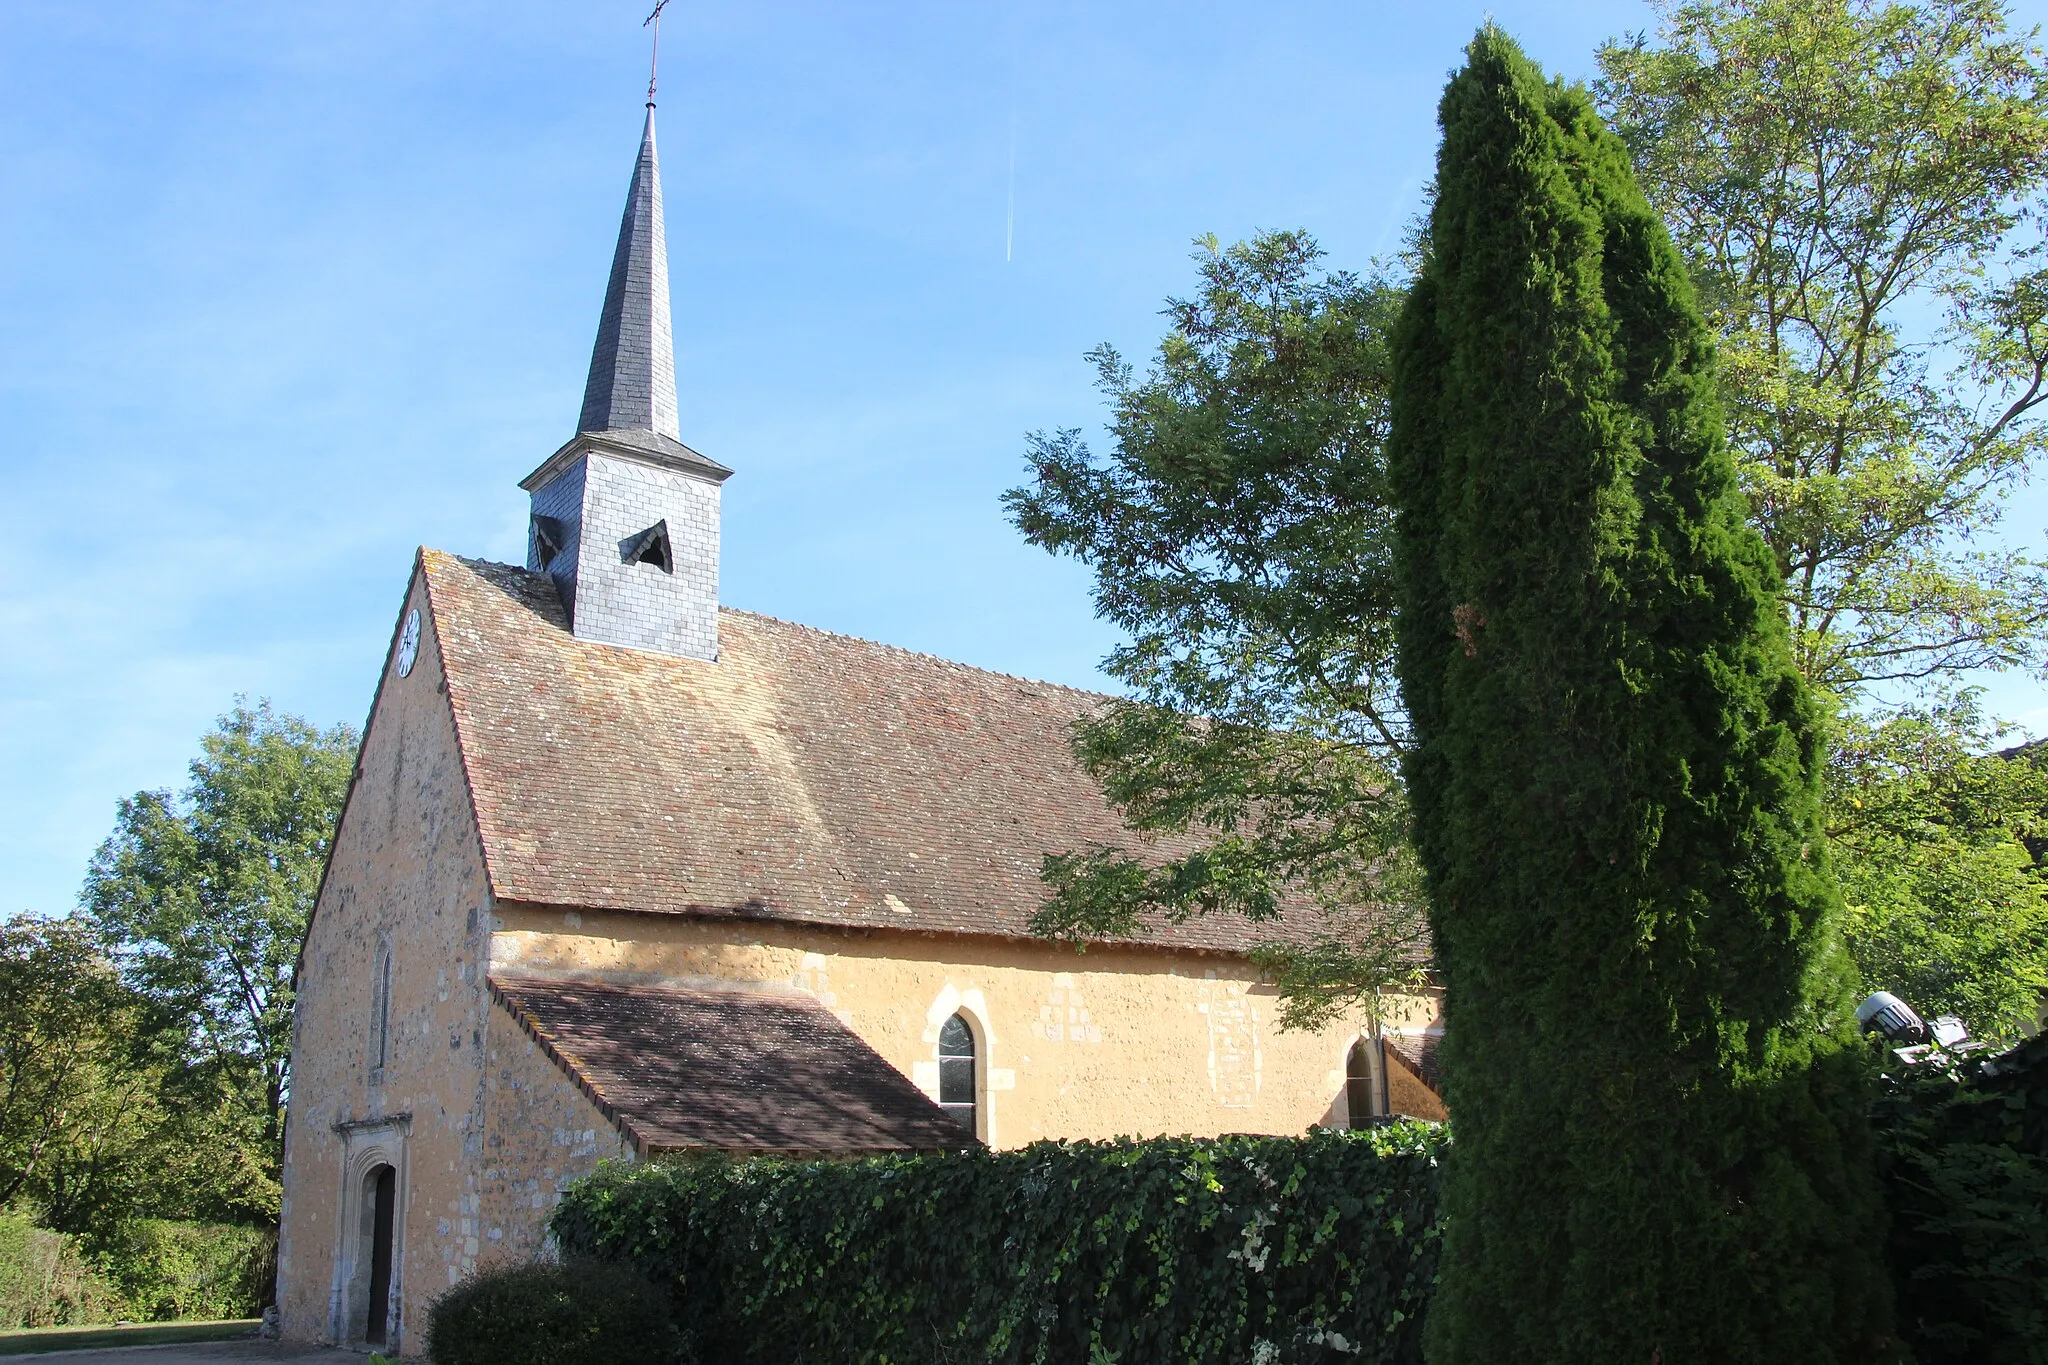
point(1930, 832)
point(97, 1125)
point(205, 897)
point(1662, 1151)
point(1857, 188)
point(1239, 533)
point(1923, 155)
point(77, 1097)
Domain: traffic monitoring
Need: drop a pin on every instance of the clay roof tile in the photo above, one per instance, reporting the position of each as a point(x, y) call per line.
point(803, 776)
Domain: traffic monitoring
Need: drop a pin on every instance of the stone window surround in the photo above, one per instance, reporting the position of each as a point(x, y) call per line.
point(972, 1011)
point(949, 1060)
point(378, 1047)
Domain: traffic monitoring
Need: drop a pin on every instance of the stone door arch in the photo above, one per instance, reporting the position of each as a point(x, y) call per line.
point(367, 1307)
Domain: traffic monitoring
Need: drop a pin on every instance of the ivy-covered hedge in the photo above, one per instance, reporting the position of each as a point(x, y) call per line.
point(1232, 1249)
point(1964, 1152)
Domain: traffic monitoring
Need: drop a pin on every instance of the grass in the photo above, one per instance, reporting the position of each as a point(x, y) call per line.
point(141, 1334)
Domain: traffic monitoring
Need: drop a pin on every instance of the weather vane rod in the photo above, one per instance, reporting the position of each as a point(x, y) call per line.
point(654, 60)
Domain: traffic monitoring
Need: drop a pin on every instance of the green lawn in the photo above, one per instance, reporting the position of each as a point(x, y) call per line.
point(142, 1334)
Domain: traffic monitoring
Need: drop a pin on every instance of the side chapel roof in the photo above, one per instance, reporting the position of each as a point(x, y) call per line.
point(737, 1070)
point(804, 776)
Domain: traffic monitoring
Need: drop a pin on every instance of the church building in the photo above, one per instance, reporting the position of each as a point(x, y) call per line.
point(623, 872)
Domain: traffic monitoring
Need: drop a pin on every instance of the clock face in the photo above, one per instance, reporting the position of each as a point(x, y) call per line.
point(409, 642)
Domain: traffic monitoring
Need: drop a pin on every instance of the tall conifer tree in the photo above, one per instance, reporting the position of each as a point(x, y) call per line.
point(1661, 1154)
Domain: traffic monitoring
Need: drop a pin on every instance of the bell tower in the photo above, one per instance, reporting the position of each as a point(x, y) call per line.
point(625, 516)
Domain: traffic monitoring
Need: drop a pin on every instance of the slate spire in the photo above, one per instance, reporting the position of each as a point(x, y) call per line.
point(625, 516)
point(632, 384)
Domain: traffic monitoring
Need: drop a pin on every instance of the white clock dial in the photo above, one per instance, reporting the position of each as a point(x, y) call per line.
point(409, 642)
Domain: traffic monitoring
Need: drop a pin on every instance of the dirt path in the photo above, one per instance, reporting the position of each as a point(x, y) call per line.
point(201, 1353)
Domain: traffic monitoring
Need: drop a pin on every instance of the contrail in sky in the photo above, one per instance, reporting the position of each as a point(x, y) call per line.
point(1010, 218)
point(1400, 200)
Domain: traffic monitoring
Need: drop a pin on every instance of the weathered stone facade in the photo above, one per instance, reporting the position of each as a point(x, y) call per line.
point(407, 879)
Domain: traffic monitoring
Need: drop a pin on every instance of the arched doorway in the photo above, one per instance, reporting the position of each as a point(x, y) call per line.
point(380, 1198)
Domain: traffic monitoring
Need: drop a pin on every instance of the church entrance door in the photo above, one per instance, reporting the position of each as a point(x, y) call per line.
point(383, 1196)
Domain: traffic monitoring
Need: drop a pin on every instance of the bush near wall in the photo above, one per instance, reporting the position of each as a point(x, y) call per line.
point(1256, 1249)
point(45, 1281)
point(150, 1270)
point(170, 1271)
point(1964, 1151)
point(575, 1312)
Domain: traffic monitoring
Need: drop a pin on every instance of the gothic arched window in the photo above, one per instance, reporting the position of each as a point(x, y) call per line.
point(1361, 1096)
point(956, 1071)
point(380, 1012)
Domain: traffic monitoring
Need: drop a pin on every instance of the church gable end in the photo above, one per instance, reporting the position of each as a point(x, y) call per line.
point(388, 1029)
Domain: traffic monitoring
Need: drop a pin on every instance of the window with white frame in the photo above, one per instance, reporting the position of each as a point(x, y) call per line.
point(956, 1071)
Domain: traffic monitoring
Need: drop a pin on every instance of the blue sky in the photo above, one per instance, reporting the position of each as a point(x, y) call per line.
point(287, 290)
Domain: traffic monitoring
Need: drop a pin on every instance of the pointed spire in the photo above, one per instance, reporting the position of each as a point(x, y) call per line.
point(632, 385)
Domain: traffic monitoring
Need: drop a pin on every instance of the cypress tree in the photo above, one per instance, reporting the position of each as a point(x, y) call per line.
point(1652, 1069)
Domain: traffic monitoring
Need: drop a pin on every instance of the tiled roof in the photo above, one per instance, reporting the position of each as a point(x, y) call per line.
point(803, 776)
point(737, 1070)
point(1419, 1052)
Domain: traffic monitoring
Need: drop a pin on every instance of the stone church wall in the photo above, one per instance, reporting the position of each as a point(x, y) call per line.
point(1119, 1040)
point(405, 883)
point(540, 1134)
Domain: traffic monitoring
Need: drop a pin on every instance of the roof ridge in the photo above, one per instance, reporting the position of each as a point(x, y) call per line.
point(924, 655)
point(919, 654)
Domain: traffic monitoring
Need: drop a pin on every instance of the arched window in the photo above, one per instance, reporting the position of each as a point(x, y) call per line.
point(380, 1012)
point(1361, 1095)
point(956, 1071)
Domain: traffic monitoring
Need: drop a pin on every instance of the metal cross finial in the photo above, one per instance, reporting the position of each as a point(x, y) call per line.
point(653, 62)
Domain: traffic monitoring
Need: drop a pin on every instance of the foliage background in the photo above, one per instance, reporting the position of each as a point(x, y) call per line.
point(1857, 189)
point(1965, 1158)
point(156, 1270)
point(203, 898)
point(145, 1041)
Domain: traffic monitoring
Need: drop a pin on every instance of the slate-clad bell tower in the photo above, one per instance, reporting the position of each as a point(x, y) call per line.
point(625, 516)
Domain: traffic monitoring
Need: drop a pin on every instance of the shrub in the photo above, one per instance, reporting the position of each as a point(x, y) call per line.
point(581, 1312)
point(46, 1282)
point(1965, 1158)
point(1230, 1249)
point(1663, 1149)
point(168, 1271)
